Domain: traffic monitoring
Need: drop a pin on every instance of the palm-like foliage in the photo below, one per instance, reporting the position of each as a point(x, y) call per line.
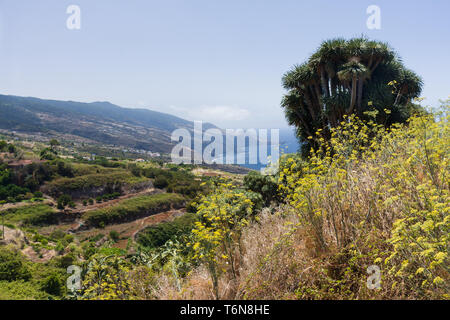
point(340, 78)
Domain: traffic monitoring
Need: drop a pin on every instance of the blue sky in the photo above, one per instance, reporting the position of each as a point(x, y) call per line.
point(218, 61)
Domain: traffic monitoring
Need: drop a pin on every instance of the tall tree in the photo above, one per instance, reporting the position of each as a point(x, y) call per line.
point(341, 78)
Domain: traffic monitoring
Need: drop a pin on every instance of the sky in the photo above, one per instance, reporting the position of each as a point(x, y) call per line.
point(216, 61)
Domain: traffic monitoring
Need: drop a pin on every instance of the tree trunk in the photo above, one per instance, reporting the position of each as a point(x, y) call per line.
point(319, 96)
point(333, 86)
point(303, 122)
point(309, 103)
point(324, 82)
point(353, 99)
point(360, 93)
point(376, 65)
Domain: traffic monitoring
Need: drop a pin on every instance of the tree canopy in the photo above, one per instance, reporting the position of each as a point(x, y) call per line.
point(348, 77)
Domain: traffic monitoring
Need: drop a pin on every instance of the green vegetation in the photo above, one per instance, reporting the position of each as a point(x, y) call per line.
point(133, 208)
point(173, 180)
point(383, 200)
point(23, 280)
point(12, 267)
point(216, 238)
point(63, 201)
point(110, 181)
point(7, 147)
point(38, 215)
point(10, 192)
point(114, 235)
point(370, 190)
point(156, 236)
point(265, 185)
point(81, 120)
point(367, 196)
point(345, 77)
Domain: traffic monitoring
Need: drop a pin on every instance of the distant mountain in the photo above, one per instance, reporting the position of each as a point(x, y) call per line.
point(101, 122)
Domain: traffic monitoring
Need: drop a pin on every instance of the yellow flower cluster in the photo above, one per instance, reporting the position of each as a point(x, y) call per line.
point(394, 182)
point(223, 215)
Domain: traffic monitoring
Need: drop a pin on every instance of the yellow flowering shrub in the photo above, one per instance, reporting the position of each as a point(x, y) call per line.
point(216, 237)
point(107, 278)
point(365, 179)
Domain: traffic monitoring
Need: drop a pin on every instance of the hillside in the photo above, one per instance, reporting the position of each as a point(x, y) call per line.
point(100, 122)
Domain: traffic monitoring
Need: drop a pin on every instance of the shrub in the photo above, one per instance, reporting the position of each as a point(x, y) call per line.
point(216, 238)
point(65, 261)
point(52, 284)
point(157, 235)
point(160, 183)
point(36, 214)
point(265, 185)
point(69, 238)
point(112, 179)
point(89, 249)
point(133, 208)
point(63, 201)
point(12, 266)
point(114, 235)
point(57, 234)
point(64, 169)
point(38, 194)
point(384, 194)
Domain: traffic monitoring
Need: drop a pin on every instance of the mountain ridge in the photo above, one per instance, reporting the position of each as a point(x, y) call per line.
point(100, 121)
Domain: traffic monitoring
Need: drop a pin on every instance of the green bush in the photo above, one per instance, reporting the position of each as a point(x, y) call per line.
point(38, 194)
point(37, 214)
point(53, 284)
point(114, 235)
point(57, 234)
point(12, 266)
point(89, 249)
point(160, 183)
point(64, 169)
point(69, 238)
point(157, 235)
point(65, 261)
point(264, 185)
point(112, 180)
point(63, 201)
point(21, 290)
point(132, 208)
